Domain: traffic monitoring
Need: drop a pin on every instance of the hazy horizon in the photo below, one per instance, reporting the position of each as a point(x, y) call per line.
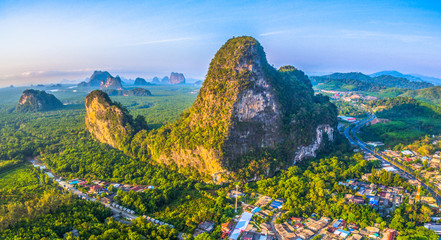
point(48, 41)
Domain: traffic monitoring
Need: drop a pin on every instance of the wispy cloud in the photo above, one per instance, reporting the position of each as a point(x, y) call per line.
point(162, 41)
point(408, 38)
point(272, 33)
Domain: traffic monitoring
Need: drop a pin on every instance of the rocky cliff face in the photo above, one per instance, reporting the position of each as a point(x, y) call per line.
point(35, 100)
point(112, 83)
point(176, 78)
point(140, 82)
point(109, 122)
point(248, 117)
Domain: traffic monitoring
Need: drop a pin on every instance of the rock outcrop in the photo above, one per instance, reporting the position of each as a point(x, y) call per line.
point(176, 78)
point(109, 122)
point(140, 82)
point(34, 100)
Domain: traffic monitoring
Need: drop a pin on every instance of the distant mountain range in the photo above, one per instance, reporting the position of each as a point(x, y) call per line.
point(410, 77)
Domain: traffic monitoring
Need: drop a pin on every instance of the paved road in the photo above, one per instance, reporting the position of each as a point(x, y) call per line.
point(351, 135)
point(119, 211)
point(273, 227)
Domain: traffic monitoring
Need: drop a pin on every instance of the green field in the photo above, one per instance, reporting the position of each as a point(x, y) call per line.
point(20, 184)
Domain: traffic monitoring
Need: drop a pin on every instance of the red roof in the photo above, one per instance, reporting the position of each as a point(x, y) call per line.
point(298, 225)
point(96, 187)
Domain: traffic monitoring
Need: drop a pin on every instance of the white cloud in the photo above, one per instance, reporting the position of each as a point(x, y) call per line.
point(272, 33)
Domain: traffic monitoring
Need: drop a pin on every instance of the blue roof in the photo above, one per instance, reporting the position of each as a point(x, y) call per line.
point(343, 231)
point(256, 209)
point(276, 204)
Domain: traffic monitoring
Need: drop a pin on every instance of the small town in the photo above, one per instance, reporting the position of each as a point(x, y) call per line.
point(259, 221)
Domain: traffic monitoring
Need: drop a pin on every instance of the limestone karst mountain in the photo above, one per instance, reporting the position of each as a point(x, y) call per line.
point(140, 82)
point(34, 100)
point(156, 80)
point(176, 78)
point(109, 122)
point(103, 80)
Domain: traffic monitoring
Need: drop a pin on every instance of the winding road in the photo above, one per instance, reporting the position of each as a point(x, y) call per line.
point(351, 134)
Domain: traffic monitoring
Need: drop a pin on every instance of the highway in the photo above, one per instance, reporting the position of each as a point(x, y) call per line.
point(351, 134)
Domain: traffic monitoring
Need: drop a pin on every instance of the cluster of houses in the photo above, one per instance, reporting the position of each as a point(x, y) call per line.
point(244, 226)
point(414, 161)
point(382, 198)
point(122, 208)
point(295, 228)
point(204, 227)
point(98, 187)
point(298, 229)
point(348, 96)
point(156, 221)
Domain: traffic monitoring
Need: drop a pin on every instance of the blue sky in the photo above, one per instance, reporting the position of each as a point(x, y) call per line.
point(48, 41)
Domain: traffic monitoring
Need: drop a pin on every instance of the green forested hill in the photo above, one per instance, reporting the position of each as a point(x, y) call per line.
point(428, 95)
point(410, 120)
point(355, 81)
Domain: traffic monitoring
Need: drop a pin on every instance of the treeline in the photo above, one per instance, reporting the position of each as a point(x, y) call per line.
point(14, 212)
point(91, 221)
point(182, 206)
point(348, 85)
point(356, 81)
point(8, 164)
point(391, 179)
point(347, 109)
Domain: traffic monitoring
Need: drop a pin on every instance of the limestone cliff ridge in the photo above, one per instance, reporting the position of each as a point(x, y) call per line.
point(109, 122)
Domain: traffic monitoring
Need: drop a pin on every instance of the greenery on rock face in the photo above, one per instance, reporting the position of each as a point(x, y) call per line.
point(35, 100)
point(110, 122)
point(409, 120)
